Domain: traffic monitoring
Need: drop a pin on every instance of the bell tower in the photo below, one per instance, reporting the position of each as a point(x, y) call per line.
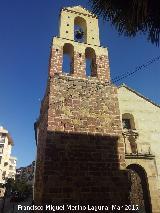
point(80, 150)
point(72, 16)
point(79, 38)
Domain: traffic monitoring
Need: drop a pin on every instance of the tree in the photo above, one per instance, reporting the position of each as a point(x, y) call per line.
point(8, 187)
point(9, 184)
point(131, 17)
point(18, 186)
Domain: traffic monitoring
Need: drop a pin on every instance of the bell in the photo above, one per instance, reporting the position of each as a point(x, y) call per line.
point(79, 34)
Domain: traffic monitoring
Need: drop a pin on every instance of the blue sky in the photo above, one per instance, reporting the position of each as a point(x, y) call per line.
point(26, 30)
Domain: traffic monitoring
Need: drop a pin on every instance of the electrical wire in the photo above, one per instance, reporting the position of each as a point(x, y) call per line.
point(139, 68)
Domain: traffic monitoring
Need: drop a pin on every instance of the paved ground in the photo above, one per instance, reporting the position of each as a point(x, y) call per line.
point(13, 208)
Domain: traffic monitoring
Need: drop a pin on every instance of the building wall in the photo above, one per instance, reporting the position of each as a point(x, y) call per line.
point(146, 117)
point(147, 120)
point(68, 16)
point(79, 62)
point(80, 131)
point(7, 163)
point(83, 169)
point(83, 105)
point(5, 154)
point(80, 153)
point(12, 167)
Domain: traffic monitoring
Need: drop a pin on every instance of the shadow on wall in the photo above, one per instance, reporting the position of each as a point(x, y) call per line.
point(83, 169)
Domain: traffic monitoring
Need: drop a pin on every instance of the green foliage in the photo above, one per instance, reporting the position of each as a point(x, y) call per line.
point(131, 16)
point(20, 186)
point(9, 184)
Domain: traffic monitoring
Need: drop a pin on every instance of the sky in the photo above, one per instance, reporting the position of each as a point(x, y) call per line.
point(26, 30)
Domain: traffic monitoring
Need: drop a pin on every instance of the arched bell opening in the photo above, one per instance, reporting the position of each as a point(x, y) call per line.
point(91, 66)
point(139, 192)
point(68, 58)
point(80, 29)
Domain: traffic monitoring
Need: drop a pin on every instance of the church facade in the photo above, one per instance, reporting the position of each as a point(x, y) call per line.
point(81, 155)
point(141, 132)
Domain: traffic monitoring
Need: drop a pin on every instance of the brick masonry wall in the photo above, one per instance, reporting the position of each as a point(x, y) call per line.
point(80, 105)
point(103, 70)
point(55, 62)
point(83, 169)
point(88, 106)
point(79, 64)
point(80, 149)
point(41, 126)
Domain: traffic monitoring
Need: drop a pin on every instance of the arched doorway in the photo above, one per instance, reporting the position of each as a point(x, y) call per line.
point(139, 193)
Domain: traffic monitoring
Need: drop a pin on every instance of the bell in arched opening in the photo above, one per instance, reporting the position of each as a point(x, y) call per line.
point(80, 29)
point(79, 34)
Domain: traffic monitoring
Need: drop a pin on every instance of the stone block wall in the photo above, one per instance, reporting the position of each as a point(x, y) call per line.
point(101, 70)
point(83, 169)
point(148, 163)
point(83, 105)
point(79, 65)
point(41, 136)
point(55, 61)
point(80, 149)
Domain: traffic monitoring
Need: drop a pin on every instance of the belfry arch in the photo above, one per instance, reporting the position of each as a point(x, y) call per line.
point(91, 66)
point(80, 25)
point(68, 58)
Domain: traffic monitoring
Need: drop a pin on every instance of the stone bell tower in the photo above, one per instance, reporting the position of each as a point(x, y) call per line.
point(80, 152)
point(82, 49)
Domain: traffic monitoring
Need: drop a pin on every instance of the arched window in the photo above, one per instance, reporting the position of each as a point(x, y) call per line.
point(91, 66)
point(130, 133)
point(80, 29)
point(68, 58)
point(128, 121)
